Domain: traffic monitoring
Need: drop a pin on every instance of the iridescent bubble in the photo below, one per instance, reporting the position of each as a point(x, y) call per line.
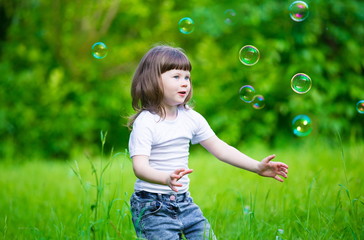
point(99, 50)
point(247, 93)
point(246, 210)
point(279, 235)
point(229, 16)
point(258, 102)
point(301, 125)
point(298, 11)
point(360, 106)
point(301, 83)
point(186, 25)
point(249, 55)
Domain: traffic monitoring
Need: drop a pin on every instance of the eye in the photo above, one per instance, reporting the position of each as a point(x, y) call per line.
point(187, 78)
point(176, 77)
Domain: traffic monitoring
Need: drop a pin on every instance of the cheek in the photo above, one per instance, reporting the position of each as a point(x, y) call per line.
point(189, 94)
point(167, 87)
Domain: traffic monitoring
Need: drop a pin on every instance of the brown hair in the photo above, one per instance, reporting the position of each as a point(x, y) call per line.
point(146, 88)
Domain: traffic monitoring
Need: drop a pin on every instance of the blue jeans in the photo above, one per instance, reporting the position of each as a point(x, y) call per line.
point(168, 217)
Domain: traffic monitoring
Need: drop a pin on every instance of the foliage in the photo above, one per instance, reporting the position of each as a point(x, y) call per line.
point(55, 97)
point(321, 199)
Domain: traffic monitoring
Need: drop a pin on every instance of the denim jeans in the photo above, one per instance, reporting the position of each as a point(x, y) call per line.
point(168, 217)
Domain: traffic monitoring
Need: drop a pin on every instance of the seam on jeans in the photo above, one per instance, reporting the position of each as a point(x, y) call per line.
point(142, 216)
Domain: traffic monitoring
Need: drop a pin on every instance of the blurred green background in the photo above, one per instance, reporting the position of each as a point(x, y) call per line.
point(55, 98)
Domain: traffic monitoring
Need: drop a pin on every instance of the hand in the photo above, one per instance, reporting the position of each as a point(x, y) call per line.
point(175, 176)
point(267, 168)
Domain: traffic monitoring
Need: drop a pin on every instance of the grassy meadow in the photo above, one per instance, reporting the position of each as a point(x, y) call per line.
point(88, 197)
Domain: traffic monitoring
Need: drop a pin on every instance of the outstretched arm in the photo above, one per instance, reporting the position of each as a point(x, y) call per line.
point(145, 172)
point(231, 155)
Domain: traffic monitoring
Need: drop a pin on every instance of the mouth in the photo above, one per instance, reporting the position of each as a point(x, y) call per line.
point(182, 93)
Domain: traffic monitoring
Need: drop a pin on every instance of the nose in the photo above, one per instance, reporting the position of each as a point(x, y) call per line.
point(184, 84)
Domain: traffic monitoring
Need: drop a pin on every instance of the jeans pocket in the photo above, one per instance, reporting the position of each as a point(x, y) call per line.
point(143, 208)
point(149, 208)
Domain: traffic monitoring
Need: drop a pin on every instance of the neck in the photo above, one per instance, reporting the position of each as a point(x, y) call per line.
point(171, 112)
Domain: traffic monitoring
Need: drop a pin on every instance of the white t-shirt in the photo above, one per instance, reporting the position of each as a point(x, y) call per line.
point(167, 143)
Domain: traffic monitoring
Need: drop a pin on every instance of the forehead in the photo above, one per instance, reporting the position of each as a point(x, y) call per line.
point(178, 71)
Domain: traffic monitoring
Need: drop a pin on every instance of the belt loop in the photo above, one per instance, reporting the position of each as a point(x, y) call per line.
point(159, 196)
point(182, 197)
point(187, 194)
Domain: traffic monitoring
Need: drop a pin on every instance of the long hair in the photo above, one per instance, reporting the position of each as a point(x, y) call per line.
point(146, 88)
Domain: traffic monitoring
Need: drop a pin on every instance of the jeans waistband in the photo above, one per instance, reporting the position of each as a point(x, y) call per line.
point(173, 197)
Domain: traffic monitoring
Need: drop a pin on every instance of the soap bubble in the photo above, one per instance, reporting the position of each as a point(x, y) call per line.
point(249, 55)
point(298, 11)
point(229, 16)
point(186, 25)
point(246, 210)
point(279, 235)
point(258, 102)
point(301, 83)
point(247, 93)
point(99, 50)
point(360, 106)
point(301, 125)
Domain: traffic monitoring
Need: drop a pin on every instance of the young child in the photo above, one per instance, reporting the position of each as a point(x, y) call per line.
point(162, 129)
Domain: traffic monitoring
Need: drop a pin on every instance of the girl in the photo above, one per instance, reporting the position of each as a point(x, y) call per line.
point(162, 129)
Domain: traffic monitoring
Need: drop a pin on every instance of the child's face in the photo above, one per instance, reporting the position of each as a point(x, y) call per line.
point(176, 87)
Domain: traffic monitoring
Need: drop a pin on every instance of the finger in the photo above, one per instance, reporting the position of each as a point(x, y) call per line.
point(282, 165)
point(187, 171)
point(178, 171)
point(176, 177)
point(173, 182)
point(177, 185)
point(174, 186)
point(181, 171)
point(276, 177)
point(269, 158)
point(283, 174)
point(173, 176)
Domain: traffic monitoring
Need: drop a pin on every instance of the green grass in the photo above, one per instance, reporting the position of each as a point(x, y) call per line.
point(88, 198)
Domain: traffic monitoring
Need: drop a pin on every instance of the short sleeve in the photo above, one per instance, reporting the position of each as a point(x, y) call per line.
point(203, 130)
point(141, 137)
